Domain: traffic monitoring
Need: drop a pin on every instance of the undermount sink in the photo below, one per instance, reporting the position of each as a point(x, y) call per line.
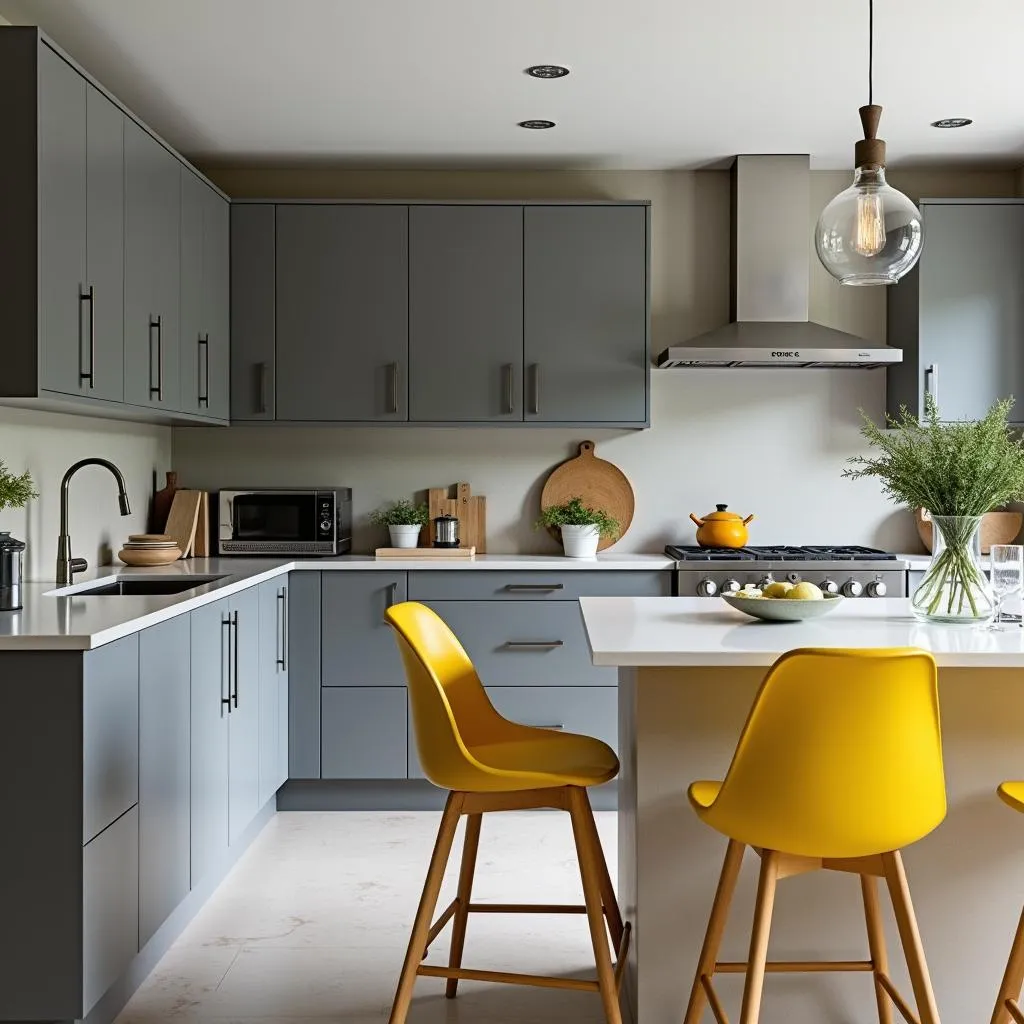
point(129, 587)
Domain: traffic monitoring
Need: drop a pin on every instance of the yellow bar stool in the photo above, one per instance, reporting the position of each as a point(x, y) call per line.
point(490, 764)
point(1007, 1004)
point(839, 766)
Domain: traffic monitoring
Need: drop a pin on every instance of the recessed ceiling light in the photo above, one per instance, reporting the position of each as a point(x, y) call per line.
point(536, 124)
point(547, 71)
point(952, 122)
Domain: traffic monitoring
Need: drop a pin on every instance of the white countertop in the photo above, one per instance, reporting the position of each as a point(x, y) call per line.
point(697, 631)
point(68, 619)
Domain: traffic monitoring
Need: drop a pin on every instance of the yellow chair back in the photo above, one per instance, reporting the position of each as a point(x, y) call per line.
point(841, 756)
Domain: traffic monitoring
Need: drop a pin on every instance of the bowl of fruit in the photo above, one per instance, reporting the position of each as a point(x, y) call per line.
point(783, 602)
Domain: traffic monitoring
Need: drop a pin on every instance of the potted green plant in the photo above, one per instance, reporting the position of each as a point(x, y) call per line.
point(404, 521)
point(15, 492)
point(958, 471)
point(580, 526)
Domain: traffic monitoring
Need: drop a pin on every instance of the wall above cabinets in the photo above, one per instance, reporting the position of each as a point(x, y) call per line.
point(114, 260)
point(441, 313)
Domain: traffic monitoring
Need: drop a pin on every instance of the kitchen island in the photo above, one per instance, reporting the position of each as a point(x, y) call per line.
point(688, 671)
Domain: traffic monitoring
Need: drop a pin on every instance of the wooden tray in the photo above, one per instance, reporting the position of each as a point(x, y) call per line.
point(598, 483)
point(431, 554)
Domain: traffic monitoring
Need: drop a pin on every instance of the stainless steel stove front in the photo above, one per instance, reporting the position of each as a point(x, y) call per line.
point(851, 579)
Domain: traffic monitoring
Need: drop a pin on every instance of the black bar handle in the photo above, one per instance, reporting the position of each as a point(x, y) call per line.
point(203, 372)
point(90, 375)
point(514, 588)
point(533, 645)
point(157, 322)
point(234, 647)
point(225, 646)
point(282, 611)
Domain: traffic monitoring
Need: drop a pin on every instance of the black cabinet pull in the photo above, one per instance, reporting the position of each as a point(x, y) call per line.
point(156, 322)
point(393, 396)
point(203, 372)
point(262, 378)
point(225, 647)
point(90, 374)
point(510, 401)
point(533, 645)
point(931, 382)
point(535, 387)
point(392, 594)
point(234, 648)
point(282, 627)
point(557, 725)
point(533, 587)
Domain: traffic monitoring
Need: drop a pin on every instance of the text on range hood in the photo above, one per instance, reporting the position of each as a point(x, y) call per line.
point(770, 282)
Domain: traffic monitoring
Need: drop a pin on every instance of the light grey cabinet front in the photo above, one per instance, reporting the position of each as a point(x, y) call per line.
point(585, 305)
point(192, 295)
point(365, 732)
point(465, 313)
point(152, 271)
point(215, 352)
point(244, 721)
point(273, 657)
point(164, 772)
point(342, 338)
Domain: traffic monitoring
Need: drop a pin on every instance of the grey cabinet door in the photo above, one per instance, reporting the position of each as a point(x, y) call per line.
point(104, 324)
point(164, 772)
point(215, 370)
point(971, 330)
point(253, 302)
point(210, 649)
point(244, 721)
point(364, 733)
point(465, 313)
point(358, 649)
point(110, 906)
point(273, 657)
point(342, 312)
point(63, 316)
point(152, 271)
point(585, 304)
point(303, 718)
point(192, 294)
point(110, 733)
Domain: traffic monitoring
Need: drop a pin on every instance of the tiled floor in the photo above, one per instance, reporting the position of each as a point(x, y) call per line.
point(313, 921)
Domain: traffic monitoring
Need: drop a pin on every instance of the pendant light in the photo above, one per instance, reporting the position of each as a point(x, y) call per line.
point(870, 233)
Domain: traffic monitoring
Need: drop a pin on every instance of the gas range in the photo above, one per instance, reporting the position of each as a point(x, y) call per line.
point(852, 571)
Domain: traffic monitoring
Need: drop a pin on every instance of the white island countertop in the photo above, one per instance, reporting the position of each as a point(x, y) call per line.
point(700, 631)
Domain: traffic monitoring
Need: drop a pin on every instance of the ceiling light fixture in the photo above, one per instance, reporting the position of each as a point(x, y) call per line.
point(537, 124)
point(870, 234)
point(952, 122)
point(547, 71)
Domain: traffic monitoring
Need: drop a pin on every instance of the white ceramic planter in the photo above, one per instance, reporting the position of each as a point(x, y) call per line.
point(404, 536)
point(580, 541)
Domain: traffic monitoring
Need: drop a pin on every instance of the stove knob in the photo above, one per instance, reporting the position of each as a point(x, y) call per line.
point(707, 588)
point(827, 586)
point(852, 588)
point(764, 581)
point(876, 588)
point(731, 587)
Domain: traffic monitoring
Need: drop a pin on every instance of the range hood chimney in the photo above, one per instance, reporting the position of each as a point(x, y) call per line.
point(771, 254)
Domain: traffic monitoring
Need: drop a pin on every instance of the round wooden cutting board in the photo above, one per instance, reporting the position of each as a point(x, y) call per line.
point(598, 483)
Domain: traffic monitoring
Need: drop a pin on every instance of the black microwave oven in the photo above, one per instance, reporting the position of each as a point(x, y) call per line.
point(284, 521)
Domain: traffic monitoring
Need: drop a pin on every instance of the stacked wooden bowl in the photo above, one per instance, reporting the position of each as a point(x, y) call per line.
point(149, 549)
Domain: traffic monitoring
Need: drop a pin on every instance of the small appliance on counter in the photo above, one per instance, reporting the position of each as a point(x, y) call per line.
point(284, 521)
point(12, 556)
point(446, 532)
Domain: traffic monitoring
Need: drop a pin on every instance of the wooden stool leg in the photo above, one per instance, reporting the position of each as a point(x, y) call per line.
point(428, 903)
point(910, 937)
point(876, 944)
point(589, 856)
point(716, 926)
point(608, 897)
point(1013, 979)
point(759, 938)
point(469, 849)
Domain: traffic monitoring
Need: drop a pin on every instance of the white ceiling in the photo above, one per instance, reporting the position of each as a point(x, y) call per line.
point(654, 83)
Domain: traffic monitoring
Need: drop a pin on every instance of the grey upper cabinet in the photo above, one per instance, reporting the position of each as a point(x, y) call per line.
point(959, 315)
point(465, 313)
point(215, 370)
point(273, 659)
point(586, 315)
point(252, 312)
point(192, 282)
point(152, 272)
point(342, 342)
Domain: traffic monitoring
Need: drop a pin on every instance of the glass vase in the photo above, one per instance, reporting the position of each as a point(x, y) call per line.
point(954, 589)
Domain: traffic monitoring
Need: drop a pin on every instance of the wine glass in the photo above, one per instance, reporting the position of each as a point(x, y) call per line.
point(1007, 576)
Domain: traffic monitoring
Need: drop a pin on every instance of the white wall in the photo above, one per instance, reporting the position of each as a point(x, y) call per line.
point(46, 444)
point(773, 443)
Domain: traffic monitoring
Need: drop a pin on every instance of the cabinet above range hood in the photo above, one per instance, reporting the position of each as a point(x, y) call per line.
point(771, 256)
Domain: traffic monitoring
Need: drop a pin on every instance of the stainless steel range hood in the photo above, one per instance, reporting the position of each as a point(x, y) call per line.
point(772, 249)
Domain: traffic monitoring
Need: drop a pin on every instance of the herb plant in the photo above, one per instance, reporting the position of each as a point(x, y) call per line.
point(574, 513)
point(400, 513)
point(15, 491)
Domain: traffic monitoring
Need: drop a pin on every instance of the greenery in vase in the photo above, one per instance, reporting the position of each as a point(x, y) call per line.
point(15, 491)
point(574, 513)
point(960, 470)
point(400, 513)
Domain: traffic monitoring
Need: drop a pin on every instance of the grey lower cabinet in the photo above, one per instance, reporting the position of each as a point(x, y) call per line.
point(273, 673)
point(960, 319)
point(364, 733)
point(164, 772)
point(244, 721)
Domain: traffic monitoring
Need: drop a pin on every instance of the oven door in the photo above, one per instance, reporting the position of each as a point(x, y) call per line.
point(272, 521)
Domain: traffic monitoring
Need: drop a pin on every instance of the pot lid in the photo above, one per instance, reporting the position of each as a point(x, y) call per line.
point(9, 543)
point(721, 515)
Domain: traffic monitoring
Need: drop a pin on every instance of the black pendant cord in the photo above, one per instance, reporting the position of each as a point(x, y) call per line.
point(871, 51)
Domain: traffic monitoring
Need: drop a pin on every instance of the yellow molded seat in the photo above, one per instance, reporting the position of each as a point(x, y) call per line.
point(839, 765)
point(1008, 1000)
point(491, 764)
point(1012, 794)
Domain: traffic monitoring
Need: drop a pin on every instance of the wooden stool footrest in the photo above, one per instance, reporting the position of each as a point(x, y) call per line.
point(526, 908)
point(1015, 1011)
point(539, 980)
point(797, 966)
point(713, 1001)
point(622, 956)
point(438, 926)
point(897, 1000)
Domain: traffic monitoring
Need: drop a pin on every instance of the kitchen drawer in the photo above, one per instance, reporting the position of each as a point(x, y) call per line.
point(485, 585)
point(499, 638)
point(592, 711)
point(364, 733)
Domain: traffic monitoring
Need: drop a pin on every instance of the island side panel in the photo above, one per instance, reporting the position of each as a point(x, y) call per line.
point(627, 849)
point(967, 878)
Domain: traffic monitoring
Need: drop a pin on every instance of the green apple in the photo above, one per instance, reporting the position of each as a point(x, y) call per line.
point(805, 592)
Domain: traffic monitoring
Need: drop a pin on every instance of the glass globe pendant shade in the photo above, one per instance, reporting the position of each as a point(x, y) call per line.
point(870, 234)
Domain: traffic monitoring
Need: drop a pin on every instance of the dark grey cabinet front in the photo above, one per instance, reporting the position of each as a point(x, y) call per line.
point(152, 272)
point(273, 658)
point(193, 277)
point(586, 314)
point(342, 339)
point(465, 313)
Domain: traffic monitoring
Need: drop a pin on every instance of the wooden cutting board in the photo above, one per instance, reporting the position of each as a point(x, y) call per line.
point(183, 519)
point(598, 483)
point(469, 509)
